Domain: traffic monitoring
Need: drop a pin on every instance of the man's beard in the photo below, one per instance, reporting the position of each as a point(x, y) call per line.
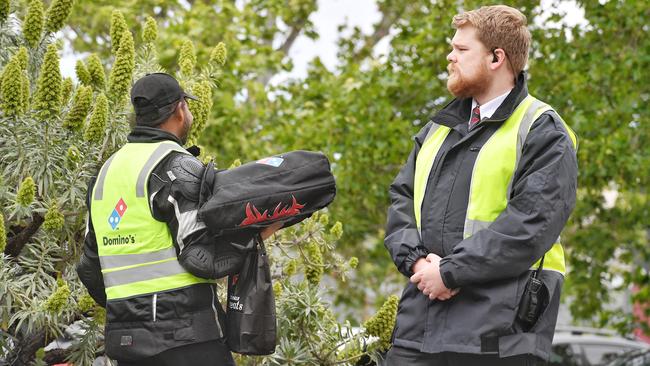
point(469, 85)
point(185, 132)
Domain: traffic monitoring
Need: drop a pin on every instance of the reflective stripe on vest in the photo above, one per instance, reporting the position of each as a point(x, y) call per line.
point(136, 251)
point(492, 174)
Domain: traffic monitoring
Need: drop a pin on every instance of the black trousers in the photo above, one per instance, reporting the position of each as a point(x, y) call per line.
point(398, 356)
point(213, 353)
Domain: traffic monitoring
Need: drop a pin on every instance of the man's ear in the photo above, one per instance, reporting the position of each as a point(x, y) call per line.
point(498, 58)
point(180, 111)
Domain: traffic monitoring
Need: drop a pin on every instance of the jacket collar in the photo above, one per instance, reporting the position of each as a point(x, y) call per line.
point(152, 134)
point(458, 110)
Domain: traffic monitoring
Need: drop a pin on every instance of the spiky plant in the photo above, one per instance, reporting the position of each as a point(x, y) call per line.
point(82, 73)
point(118, 27)
point(47, 100)
point(187, 58)
point(12, 98)
point(96, 71)
point(33, 23)
point(95, 129)
point(57, 14)
point(150, 30)
point(122, 72)
point(81, 103)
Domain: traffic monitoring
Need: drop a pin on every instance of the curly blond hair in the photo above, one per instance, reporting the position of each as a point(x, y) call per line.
point(500, 26)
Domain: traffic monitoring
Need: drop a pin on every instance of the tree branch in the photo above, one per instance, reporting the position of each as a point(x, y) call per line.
point(28, 347)
point(295, 31)
point(286, 46)
point(381, 31)
point(16, 243)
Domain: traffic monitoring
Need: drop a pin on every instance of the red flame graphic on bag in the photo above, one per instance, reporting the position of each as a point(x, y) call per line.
point(254, 216)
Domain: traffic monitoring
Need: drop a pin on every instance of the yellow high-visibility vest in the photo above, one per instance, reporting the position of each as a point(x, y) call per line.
point(136, 251)
point(492, 174)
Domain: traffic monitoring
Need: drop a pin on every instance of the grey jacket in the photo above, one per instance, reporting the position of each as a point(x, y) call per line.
point(492, 266)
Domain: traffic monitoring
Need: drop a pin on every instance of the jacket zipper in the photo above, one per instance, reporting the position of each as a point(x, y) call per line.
point(214, 309)
point(154, 305)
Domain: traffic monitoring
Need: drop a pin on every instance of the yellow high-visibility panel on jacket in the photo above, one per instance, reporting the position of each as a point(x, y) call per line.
point(136, 251)
point(492, 174)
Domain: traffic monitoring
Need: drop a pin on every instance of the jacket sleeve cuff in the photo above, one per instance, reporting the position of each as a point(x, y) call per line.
point(447, 274)
point(414, 255)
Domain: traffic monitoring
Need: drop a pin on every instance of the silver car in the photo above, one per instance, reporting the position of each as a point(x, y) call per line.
point(579, 346)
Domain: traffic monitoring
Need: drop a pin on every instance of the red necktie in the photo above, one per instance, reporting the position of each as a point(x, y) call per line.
point(476, 116)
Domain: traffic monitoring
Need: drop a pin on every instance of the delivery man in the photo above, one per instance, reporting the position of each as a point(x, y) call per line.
point(144, 247)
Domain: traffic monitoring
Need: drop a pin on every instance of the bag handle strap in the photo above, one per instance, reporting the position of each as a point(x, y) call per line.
point(539, 269)
point(259, 242)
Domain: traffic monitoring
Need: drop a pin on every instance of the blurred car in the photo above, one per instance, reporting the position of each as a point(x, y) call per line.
point(634, 358)
point(580, 346)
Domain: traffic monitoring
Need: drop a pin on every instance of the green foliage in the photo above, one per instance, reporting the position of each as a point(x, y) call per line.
point(54, 219)
point(47, 99)
point(3, 233)
point(12, 97)
point(313, 263)
point(22, 57)
point(84, 350)
point(601, 94)
point(235, 164)
point(337, 230)
point(96, 71)
point(26, 192)
point(85, 303)
point(66, 90)
point(122, 71)
point(4, 10)
point(81, 103)
point(118, 28)
point(219, 54)
point(200, 109)
point(290, 268)
point(150, 30)
point(82, 73)
point(97, 124)
point(44, 216)
point(187, 58)
point(381, 324)
point(57, 14)
point(43, 219)
point(58, 299)
point(33, 24)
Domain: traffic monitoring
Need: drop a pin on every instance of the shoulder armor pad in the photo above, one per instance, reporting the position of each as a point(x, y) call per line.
point(186, 168)
point(186, 172)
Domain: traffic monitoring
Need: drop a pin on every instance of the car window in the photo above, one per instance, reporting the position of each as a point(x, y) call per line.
point(642, 360)
point(633, 359)
point(598, 354)
point(566, 355)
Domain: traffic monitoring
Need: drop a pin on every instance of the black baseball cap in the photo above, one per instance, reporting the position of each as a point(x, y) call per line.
point(154, 98)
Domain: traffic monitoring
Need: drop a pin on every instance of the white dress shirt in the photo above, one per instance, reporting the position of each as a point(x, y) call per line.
point(488, 109)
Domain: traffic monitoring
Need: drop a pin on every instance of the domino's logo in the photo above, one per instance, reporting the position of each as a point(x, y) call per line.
point(117, 214)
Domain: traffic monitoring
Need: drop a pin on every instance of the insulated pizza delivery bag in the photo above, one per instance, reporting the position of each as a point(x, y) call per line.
point(288, 187)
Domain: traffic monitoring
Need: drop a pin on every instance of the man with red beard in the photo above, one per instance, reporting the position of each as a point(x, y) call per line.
point(478, 208)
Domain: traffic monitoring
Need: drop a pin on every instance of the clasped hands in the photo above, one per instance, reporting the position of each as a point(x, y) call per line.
point(427, 277)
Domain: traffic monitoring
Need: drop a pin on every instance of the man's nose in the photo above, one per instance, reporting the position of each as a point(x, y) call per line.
point(451, 57)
